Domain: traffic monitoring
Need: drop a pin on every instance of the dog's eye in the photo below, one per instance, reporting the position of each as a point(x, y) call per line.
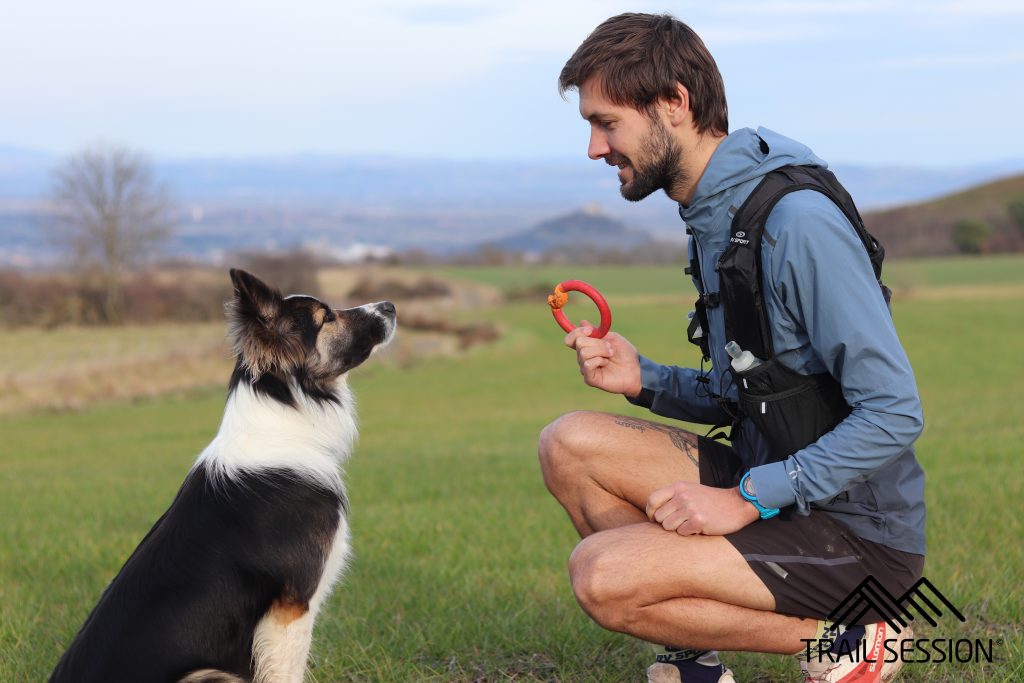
point(329, 316)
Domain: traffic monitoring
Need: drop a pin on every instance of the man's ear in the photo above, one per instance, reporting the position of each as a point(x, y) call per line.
point(260, 336)
point(677, 107)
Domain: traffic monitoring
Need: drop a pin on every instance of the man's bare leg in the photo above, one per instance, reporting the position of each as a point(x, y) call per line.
point(631, 575)
point(602, 467)
point(692, 591)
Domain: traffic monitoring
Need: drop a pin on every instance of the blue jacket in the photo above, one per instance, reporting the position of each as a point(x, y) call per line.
point(827, 314)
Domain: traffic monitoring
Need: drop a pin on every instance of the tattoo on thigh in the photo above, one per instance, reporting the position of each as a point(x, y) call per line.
point(681, 439)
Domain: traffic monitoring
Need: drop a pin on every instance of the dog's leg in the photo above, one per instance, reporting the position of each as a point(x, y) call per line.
point(282, 638)
point(281, 643)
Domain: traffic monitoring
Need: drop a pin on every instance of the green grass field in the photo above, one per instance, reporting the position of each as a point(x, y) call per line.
point(460, 553)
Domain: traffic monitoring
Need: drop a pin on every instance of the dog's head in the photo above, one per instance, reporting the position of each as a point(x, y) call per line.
point(299, 337)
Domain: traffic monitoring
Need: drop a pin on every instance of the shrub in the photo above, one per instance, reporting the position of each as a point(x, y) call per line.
point(370, 288)
point(1016, 211)
point(970, 236)
point(53, 300)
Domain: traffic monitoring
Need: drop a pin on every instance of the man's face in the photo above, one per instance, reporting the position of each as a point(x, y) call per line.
point(647, 155)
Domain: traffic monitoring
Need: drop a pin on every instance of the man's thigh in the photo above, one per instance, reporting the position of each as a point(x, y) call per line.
point(628, 457)
point(644, 564)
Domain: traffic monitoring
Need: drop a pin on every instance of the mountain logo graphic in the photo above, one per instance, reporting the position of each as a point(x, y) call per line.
point(897, 612)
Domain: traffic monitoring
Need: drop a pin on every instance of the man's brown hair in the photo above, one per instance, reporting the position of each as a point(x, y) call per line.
point(639, 58)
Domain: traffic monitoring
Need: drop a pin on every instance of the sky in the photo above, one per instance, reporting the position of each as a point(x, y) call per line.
point(911, 83)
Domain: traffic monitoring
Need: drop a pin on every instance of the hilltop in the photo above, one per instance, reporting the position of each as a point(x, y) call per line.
point(588, 226)
point(925, 229)
point(915, 230)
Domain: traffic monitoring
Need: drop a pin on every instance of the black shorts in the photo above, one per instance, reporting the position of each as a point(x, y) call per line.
point(809, 563)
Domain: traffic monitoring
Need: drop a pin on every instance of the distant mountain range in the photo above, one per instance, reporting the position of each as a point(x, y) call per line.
point(431, 183)
point(442, 206)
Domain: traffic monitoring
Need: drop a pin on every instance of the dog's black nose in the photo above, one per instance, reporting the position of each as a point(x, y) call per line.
point(387, 307)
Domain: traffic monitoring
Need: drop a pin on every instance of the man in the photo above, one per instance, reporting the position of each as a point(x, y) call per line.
point(673, 552)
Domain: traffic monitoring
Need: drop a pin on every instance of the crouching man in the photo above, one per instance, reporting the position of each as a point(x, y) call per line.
point(689, 543)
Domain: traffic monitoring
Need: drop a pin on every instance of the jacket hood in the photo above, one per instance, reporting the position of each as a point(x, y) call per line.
point(744, 155)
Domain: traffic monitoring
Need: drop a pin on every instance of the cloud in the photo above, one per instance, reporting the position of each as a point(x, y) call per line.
point(467, 76)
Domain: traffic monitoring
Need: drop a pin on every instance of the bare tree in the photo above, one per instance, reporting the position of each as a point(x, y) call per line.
point(109, 212)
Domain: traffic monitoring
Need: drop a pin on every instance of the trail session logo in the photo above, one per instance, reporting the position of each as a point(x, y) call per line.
point(871, 594)
point(922, 601)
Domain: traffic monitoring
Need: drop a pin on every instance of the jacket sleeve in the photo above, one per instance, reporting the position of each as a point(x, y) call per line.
point(674, 392)
point(819, 276)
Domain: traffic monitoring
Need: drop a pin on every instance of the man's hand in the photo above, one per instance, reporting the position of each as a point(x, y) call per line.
point(689, 508)
point(611, 363)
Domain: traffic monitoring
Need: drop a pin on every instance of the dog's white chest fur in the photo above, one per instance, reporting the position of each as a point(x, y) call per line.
point(314, 439)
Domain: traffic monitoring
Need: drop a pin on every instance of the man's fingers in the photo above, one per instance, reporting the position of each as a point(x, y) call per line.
point(582, 331)
point(673, 506)
point(594, 363)
point(570, 339)
point(577, 336)
point(673, 521)
point(694, 524)
point(593, 350)
point(658, 499)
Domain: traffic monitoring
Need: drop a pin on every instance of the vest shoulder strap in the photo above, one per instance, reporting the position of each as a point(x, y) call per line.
point(746, 320)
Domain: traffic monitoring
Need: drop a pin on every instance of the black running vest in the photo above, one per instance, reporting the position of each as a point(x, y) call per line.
point(790, 410)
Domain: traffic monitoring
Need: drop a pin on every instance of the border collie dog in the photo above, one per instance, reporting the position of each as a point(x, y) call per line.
point(226, 585)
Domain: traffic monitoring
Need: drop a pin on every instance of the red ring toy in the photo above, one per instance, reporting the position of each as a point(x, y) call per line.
point(561, 296)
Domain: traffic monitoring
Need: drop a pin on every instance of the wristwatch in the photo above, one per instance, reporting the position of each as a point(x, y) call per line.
point(747, 491)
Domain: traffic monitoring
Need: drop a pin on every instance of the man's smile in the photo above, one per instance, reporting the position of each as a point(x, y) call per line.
point(619, 162)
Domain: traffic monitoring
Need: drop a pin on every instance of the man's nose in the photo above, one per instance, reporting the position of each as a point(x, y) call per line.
point(598, 145)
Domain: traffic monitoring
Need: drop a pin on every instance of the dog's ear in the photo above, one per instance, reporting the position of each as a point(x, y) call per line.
point(260, 335)
point(254, 295)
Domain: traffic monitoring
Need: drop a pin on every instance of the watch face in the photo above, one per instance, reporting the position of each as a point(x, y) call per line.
point(748, 486)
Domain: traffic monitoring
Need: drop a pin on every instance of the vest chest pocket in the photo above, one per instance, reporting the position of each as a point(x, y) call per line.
point(789, 409)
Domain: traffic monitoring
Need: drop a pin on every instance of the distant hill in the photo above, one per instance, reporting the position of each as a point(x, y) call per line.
point(438, 206)
point(925, 229)
point(588, 228)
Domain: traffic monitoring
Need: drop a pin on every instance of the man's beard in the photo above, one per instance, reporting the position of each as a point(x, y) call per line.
point(661, 168)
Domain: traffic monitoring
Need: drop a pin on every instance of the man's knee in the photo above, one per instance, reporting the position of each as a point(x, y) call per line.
point(562, 445)
point(600, 582)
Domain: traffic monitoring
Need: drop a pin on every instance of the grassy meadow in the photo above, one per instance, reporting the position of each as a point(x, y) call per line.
point(460, 553)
